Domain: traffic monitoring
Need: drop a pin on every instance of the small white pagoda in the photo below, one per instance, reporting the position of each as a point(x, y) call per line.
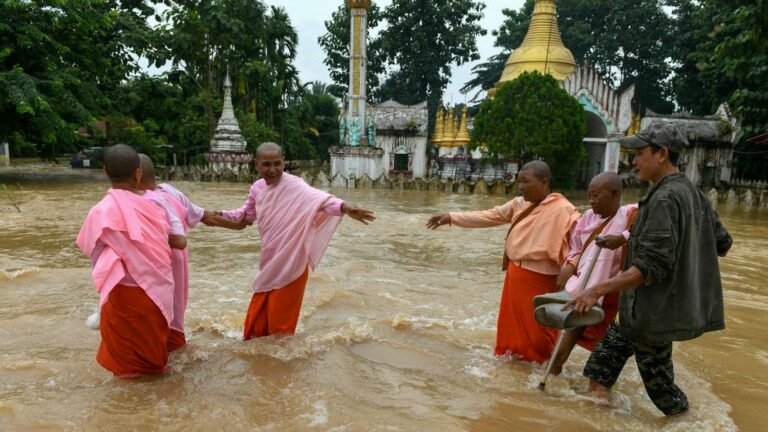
point(228, 145)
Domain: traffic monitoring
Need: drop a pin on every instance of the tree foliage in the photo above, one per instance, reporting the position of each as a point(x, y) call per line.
point(530, 118)
point(413, 54)
point(70, 64)
point(53, 77)
point(422, 41)
point(335, 45)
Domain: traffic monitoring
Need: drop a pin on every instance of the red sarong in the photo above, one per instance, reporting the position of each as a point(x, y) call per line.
point(134, 334)
point(518, 333)
point(176, 340)
point(276, 311)
point(594, 333)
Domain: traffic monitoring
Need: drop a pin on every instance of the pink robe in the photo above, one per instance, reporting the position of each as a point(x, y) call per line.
point(609, 262)
point(127, 235)
point(295, 226)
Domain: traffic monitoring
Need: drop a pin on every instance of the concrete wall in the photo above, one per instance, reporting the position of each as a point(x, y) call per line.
point(741, 193)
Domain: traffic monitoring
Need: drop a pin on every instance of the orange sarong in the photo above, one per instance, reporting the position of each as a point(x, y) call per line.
point(134, 334)
point(518, 333)
point(276, 311)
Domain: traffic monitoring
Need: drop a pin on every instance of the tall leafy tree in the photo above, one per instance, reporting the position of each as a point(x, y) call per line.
point(741, 57)
point(335, 44)
point(638, 51)
point(54, 78)
point(532, 117)
point(423, 40)
point(697, 89)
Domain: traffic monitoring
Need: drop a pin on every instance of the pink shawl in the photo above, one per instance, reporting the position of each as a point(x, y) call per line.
point(609, 262)
point(134, 233)
point(294, 231)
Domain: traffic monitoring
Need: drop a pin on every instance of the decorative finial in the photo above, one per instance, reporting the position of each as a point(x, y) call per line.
point(227, 82)
point(359, 4)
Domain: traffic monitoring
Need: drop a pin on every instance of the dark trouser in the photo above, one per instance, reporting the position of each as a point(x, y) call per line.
point(654, 361)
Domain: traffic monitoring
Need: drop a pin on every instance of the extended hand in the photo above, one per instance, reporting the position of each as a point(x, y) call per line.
point(611, 241)
point(583, 301)
point(358, 214)
point(216, 219)
point(438, 220)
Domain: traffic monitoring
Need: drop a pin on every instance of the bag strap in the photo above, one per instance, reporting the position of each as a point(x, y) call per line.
point(522, 216)
point(596, 233)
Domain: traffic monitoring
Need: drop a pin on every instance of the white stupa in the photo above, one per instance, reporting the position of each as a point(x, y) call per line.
point(227, 144)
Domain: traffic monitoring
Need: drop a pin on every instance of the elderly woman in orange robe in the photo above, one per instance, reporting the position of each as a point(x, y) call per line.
point(536, 247)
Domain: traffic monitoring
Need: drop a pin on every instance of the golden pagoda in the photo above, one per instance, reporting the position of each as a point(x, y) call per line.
point(450, 128)
point(543, 49)
point(462, 136)
point(634, 126)
point(438, 136)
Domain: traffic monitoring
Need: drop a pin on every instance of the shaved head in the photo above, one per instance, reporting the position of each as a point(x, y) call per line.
point(539, 169)
point(268, 146)
point(608, 180)
point(147, 172)
point(120, 162)
point(604, 194)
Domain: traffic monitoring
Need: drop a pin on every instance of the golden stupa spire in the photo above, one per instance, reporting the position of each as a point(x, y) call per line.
point(450, 128)
point(543, 49)
point(439, 134)
point(462, 136)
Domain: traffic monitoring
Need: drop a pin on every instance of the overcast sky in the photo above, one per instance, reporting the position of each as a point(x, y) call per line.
point(308, 16)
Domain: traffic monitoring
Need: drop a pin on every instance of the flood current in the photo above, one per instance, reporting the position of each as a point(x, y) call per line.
point(396, 331)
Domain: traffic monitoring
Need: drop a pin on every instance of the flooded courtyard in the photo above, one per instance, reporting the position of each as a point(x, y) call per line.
point(396, 332)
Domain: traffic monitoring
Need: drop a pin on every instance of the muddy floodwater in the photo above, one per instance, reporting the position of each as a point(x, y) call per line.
point(396, 332)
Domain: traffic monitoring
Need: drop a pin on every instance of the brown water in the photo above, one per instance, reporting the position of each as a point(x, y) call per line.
point(396, 333)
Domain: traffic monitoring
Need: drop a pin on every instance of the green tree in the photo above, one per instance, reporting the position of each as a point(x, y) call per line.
point(530, 118)
point(61, 62)
point(422, 41)
point(322, 119)
point(741, 57)
point(335, 44)
point(698, 88)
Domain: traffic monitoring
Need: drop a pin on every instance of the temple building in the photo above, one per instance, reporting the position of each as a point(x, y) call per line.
point(609, 114)
point(228, 145)
point(386, 139)
point(708, 160)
